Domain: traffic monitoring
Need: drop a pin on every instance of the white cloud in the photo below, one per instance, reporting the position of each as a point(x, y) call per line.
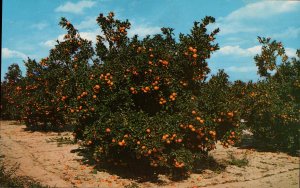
point(49, 43)
point(90, 35)
point(39, 26)
point(290, 52)
point(248, 52)
point(290, 32)
point(263, 9)
point(238, 51)
point(235, 21)
point(7, 53)
point(236, 27)
point(52, 43)
point(241, 69)
point(76, 8)
point(143, 30)
point(88, 23)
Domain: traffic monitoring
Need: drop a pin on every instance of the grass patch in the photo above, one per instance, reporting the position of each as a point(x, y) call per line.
point(8, 178)
point(61, 141)
point(240, 162)
point(209, 163)
point(132, 185)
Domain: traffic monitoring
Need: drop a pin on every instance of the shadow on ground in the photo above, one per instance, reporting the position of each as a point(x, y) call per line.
point(49, 128)
point(141, 171)
point(251, 142)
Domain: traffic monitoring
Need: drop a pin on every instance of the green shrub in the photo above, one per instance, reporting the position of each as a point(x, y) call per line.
point(272, 105)
point(150, 100)
point(11, 93)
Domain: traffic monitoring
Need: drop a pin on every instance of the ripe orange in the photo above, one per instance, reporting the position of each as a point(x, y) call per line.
point(165, 62)
point(107, 130)
point(230, 114)
point(97, 86)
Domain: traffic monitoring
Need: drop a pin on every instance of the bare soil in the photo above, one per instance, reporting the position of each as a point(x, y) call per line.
point(60, 166)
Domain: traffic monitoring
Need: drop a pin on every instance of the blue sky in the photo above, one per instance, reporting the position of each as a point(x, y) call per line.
point(29, 28)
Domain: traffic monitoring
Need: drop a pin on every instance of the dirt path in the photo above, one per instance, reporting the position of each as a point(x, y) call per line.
point(56, 166)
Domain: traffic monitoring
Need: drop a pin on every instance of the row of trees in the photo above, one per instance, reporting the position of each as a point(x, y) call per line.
point(150, 100)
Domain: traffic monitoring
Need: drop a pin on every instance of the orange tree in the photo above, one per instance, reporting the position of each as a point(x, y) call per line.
point(149, 100)
point(273, 104)
point(11, 93)
point(52, 83)
point(220, 100)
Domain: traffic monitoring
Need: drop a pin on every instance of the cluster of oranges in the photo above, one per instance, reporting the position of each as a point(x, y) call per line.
point(198, 118)
point(133, 90)
point(163, 62)
point(162, 101)
point(169, 138)
point(108, 79)
point(183, 83)
point(145, 89)
point(193, 51)
point(173, 96)
point(178, 164)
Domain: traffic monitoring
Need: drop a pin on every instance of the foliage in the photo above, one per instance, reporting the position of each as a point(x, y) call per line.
point(11, 93)
point(272, 104)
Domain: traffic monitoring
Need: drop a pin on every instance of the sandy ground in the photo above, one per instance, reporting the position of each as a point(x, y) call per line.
point(51, 165)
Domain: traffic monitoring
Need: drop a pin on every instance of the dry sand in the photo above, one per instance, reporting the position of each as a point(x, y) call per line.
point(51, 165)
